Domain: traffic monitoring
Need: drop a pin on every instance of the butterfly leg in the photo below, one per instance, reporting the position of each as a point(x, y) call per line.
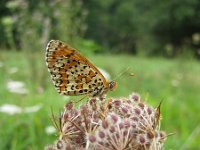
point(80, 99)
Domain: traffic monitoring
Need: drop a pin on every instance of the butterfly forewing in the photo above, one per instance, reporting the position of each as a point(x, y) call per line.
point(71, 73)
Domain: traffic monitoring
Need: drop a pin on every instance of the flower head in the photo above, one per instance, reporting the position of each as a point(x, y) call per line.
point(114, 123)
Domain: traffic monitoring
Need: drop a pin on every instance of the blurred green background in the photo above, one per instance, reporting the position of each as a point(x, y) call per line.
point(158, 40)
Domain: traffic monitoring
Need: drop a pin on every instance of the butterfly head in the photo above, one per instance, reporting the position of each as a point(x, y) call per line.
point(112, 85)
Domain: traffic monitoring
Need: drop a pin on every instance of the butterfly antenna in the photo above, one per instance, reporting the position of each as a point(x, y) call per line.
point(122, 73)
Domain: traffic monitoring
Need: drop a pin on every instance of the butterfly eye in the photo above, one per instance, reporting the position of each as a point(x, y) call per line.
point(112, 85)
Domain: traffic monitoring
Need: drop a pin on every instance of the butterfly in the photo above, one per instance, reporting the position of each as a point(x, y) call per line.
point(72, 74)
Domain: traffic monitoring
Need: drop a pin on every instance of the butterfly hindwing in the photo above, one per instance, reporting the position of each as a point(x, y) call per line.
point(71, 73)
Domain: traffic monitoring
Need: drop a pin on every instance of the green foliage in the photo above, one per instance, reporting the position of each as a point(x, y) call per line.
point(31, 24)
point(145, 27)
point(112, 27)
point(88, 47)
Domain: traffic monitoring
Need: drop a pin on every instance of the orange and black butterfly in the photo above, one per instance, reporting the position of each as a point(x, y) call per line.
point(72, 74)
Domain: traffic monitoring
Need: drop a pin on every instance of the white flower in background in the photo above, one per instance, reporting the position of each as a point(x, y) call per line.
point(32, 109)
point(50, 130)
point(13, 70)
point(196, 38)
point(105, 74)
point(13, 109)
point(10, 109)
point(16, 87)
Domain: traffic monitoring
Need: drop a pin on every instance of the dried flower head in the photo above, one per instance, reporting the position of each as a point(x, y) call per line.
point(111, 124)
